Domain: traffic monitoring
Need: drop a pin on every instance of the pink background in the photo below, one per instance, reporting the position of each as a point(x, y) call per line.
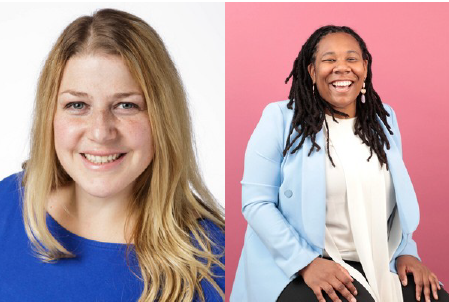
point(409, 43)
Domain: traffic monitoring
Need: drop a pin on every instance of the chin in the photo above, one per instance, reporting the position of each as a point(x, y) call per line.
point(103, 188)
point(102, 192)
point(342, 104)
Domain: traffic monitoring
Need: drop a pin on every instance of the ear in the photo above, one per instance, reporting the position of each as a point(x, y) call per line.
point(311, 69)
point(365, 65)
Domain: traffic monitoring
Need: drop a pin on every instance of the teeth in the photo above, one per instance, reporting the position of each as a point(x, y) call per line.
point(101, 159)
point(342, 83)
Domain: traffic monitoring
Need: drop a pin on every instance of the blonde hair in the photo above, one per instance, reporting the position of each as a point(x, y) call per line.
point(168, 197)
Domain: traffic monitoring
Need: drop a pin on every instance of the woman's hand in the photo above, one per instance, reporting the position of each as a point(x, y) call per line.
point(322, 274)
point(421, 274)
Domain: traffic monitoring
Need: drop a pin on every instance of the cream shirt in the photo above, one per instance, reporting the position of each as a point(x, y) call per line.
point(364, 211)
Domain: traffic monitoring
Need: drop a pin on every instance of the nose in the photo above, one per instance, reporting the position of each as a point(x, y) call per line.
point(102, 126)
point(342, 67)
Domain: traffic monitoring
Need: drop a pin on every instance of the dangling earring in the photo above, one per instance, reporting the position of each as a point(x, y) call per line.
point(363, 91)
point(313, 88)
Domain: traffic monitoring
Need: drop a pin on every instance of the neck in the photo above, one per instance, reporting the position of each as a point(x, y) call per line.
point(351, 113)
point(92, 217)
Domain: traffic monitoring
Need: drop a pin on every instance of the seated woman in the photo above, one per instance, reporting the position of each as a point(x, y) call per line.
point(110, 205)
point(330, 206)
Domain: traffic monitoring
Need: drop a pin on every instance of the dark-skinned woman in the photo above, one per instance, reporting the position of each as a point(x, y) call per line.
point(330, 205)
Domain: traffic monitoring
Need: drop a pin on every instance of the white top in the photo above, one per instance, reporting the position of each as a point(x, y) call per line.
point(359, 200)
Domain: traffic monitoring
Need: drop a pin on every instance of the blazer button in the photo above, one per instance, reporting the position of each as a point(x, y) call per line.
point(288, 193)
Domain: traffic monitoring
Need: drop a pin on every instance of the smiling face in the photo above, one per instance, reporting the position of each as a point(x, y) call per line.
point(101, 126)
point(339, 71)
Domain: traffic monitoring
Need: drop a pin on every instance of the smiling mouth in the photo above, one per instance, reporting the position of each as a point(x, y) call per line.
point(95, 159)
point(342, 86)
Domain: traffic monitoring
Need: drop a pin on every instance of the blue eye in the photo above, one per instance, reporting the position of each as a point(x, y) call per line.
point(128, 106)
point(76, 105)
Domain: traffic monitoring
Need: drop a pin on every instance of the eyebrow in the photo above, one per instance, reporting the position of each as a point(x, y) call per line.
point(120, 95)
point(333, 53)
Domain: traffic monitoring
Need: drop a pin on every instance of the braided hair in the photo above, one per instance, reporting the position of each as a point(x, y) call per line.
point(309, 107)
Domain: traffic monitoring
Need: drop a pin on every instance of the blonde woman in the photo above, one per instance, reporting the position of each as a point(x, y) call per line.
point(110, 205)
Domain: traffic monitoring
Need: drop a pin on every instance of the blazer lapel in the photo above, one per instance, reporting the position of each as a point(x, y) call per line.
point(313, 191)
point(405, 194)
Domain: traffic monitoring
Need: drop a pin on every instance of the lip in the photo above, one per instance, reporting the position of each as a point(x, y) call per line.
point(103, 167)
point(341, 89)
point(102, 153)
point(342, 80)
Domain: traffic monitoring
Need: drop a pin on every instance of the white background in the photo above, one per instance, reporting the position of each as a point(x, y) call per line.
point(194, 34)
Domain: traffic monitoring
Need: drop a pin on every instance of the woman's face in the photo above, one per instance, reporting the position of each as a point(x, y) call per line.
point(339, 71)
point(102, 130)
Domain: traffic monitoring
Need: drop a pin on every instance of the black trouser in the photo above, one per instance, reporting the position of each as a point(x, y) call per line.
point(298, 291)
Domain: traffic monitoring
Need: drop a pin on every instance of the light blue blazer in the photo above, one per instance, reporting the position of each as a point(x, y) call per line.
point(284, 202)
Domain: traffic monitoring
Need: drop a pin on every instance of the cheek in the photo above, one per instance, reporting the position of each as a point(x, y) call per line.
point(139, 136)
point(322, 74)
point(322, 85)
point(360, 71)
point(66, 133)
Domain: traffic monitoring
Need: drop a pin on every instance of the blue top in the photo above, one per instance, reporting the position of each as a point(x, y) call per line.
point(100, 272)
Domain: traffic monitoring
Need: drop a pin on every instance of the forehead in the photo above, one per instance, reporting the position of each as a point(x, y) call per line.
point(97, 71)
point(337, 42)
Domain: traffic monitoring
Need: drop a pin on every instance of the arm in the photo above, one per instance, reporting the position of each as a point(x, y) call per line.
point(408, 261)
point(410, 247)
point(260, 189)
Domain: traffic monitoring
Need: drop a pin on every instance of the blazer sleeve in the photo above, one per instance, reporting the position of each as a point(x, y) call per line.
point(260, 195)
point(410, 247)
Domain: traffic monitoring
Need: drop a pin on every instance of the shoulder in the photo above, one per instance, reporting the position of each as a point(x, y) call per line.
point(392, 120)
point(10, 187)
point(269, 135)
point(11, 182)
point(215, 233)
point(278, 112)
point(11, 225)
point(389, 109)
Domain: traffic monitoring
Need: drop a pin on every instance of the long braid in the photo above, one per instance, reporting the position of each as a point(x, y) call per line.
point(309, 107)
